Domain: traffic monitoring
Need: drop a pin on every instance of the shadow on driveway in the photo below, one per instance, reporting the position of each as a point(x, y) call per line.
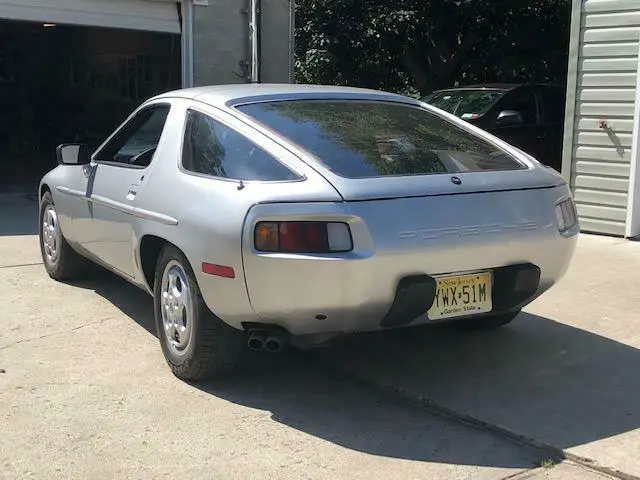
point(557, 384)
point(548, 381)
point(300, 393)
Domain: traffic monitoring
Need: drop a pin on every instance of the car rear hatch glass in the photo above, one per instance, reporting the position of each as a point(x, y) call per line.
point(380, 149)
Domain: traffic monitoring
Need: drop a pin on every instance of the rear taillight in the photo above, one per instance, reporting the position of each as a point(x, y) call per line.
point(303, 237)
point(566, 215)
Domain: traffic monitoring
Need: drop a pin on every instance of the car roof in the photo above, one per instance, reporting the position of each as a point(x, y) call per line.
point(228, 95)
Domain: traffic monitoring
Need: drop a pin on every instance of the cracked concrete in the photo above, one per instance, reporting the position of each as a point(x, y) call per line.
point(52, 334)
point(563, 471)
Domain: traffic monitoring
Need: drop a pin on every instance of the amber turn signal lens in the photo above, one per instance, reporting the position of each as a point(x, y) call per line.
point(266, 236)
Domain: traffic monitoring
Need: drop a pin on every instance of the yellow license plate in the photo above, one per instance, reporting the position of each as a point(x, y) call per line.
point(461, 295)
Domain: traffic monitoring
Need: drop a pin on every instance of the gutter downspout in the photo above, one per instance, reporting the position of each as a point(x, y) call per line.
point(255, 39)
point(292, 36)
point(187, 43)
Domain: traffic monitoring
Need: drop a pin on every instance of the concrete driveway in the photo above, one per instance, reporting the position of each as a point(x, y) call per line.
point(565, 374)
point(85, 392)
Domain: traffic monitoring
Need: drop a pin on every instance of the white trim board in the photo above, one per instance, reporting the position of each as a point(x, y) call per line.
point(572, 88)
point(187, 43)
point(632, 228)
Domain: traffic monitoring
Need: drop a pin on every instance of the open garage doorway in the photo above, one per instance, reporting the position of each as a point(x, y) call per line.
point(62, 83)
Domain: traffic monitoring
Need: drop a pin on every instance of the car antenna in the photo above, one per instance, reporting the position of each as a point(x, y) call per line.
point(241, 185)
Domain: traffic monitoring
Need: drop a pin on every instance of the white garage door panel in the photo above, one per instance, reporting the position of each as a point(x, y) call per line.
point(129, 14)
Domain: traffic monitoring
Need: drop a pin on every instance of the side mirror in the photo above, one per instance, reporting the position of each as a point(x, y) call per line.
point(73, 154)
point(509, 117)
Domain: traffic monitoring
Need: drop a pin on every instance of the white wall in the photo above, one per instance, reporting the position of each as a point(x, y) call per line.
point(601, 86)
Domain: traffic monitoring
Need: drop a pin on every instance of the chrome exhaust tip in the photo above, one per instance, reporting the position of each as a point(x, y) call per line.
point(273, 344)
point(257, 340)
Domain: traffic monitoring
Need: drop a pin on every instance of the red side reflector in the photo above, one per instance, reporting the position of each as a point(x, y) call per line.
point(218, 270)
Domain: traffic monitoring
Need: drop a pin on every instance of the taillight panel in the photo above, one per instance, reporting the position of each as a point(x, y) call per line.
point(303, 237)
point(566, 215)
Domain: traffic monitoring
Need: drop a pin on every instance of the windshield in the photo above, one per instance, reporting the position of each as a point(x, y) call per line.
point(360, 139)
point(465, 103)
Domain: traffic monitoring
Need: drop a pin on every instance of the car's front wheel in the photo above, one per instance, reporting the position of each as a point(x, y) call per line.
point(60, 260)
point(196, 344)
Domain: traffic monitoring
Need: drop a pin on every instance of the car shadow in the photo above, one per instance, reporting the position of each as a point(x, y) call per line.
point(548, 381)
point(537, 377)
point(305, 395)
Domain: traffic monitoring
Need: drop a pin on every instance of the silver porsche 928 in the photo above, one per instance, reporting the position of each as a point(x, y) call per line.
point(263, 215)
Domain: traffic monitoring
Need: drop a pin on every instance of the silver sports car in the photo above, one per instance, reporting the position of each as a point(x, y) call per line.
point(267, 215)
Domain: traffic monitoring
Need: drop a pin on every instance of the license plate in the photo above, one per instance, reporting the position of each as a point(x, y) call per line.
point(461, 295)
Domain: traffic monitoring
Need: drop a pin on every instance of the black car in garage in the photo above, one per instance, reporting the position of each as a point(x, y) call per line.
point(528, 116)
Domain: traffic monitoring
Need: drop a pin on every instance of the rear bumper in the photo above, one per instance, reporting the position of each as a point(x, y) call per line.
point(513, 287)
point(356, 299)
point(374, 288)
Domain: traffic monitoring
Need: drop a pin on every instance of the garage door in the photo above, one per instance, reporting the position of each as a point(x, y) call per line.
point(149, 15)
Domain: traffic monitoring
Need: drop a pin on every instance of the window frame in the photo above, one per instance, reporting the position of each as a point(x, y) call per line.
point(146, 107)
point(301, 177)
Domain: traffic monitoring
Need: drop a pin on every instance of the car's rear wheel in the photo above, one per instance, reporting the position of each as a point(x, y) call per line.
point(60, 260)
point(196, 344)
point(489, 323)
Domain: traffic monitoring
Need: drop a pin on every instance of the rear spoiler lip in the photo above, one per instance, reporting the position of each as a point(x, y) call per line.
point(448, 194)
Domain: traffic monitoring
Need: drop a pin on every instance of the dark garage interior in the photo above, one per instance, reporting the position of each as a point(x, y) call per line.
point(62, 83)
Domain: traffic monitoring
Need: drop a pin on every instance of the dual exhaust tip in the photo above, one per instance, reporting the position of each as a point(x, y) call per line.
point(262, 340)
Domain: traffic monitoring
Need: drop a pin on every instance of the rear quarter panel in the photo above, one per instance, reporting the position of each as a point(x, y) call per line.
point(210, 213)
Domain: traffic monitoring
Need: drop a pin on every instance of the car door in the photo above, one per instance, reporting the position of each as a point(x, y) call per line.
point(526, 133)
point(119, 170)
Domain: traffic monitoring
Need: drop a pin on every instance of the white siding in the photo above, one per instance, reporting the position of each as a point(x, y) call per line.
point(606, 70)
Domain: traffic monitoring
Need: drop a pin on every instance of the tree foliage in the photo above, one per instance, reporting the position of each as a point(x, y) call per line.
point(417, 46)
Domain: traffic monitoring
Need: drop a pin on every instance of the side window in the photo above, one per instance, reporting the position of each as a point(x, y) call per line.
point(211, 148)
point(524, 103)
point(136, 143)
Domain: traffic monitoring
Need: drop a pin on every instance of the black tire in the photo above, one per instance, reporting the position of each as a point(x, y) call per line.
point(215, 348)
point(491, 322)
point(67, 264)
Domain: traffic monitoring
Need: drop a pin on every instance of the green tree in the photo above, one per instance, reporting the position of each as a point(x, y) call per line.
point(416, 46)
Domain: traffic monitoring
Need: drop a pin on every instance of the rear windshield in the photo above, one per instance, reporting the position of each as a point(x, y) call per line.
point(466, 103)
point(360, 139)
